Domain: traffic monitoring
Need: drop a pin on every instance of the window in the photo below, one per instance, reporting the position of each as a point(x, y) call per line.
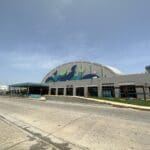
point(80, 91)
point(93, 91)
point(53, 91)
point(60, 91)
point(69, 91)
point(128, 91)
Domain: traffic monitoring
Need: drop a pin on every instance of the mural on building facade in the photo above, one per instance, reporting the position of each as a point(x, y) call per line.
point(76, 73)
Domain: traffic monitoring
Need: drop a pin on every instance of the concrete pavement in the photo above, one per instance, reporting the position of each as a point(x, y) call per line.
point(18, 135)
point(13, 138)
point(88, 126)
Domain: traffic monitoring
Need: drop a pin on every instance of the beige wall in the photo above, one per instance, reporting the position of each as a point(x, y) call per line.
point(137, 80)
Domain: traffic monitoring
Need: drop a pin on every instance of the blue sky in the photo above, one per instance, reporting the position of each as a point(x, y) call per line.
point(38, 35)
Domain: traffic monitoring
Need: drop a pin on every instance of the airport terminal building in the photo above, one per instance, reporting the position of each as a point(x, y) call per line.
point(95, 80)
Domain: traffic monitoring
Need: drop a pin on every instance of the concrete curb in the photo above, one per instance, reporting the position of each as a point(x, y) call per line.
point(117, 104)
point(97, 101)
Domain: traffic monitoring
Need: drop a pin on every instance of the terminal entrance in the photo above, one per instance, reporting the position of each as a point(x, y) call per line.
point(60, 91)
point(53, 91)
point(108, 91)
point(69, 91)
point(38, 90)
point(80, 91)
point(93, 91)
point(128, 91)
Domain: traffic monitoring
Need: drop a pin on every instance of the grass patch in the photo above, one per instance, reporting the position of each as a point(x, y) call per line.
point(126, 101)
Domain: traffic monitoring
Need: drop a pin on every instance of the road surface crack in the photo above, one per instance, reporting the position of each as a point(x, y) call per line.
point(43, 141)
point(69, 123)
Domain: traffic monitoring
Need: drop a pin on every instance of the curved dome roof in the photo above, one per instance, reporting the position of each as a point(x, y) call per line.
point(80, 70)
point(117, 71)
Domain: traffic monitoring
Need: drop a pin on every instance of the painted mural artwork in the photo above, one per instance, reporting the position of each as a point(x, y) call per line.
point(76, 73)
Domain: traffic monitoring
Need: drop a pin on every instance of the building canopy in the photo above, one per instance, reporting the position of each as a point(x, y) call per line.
point(28, 84)
point(29, 88)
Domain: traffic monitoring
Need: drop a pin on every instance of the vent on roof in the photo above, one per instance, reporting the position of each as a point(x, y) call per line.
point(147, 68)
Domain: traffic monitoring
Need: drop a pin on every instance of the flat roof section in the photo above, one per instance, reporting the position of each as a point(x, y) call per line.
point(28, 84)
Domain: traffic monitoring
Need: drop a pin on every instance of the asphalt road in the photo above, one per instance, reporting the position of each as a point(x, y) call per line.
point(40, 125)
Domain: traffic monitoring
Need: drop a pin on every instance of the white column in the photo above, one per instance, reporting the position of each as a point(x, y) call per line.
point(147, 92)
point(100, 90)
point(139, 92)
point(65, 91)
point(49, 92)
point(56, 91)
point(74, 91)
point(85, 91)
point(117, 92)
